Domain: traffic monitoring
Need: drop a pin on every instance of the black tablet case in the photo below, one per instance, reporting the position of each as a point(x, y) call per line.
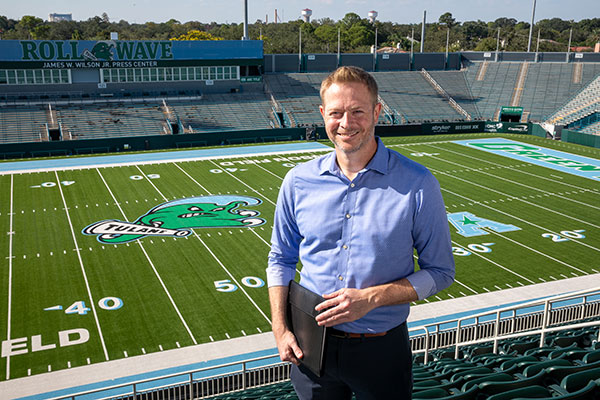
point(301, 320)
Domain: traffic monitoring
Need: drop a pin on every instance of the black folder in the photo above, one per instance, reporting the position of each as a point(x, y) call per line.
point(301, 320)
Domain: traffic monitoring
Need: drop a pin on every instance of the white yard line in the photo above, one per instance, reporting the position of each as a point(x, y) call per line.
point(10, 257)
point(512, 197)
point(495, 263)
point(455, 280)
point(160, 280)
point(241, 181)
point(519, 170)
point(515, 183)
point(87, 285)
point(213, 254)
point(233, 278)
point(537, 251)
point(512, 216)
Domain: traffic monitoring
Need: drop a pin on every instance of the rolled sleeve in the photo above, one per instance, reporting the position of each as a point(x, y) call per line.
point(285, 240)
point(432, 242)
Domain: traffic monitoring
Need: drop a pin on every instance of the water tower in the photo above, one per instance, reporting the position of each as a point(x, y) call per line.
point(306, 13)
point(372, 16)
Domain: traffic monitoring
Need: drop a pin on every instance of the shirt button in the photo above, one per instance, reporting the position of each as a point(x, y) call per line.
point(345, 247)
point(347, 216)
point(341, 278)
point(352, 185)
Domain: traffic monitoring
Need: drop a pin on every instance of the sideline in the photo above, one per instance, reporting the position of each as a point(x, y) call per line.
point(85, 162)
point(122, 371)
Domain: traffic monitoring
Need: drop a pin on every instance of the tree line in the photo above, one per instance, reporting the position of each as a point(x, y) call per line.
point(352, 33)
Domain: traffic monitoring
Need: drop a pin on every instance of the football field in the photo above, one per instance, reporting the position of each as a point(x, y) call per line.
point(112, 261)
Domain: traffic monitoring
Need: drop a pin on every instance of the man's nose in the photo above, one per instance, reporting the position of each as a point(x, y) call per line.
point(345, 121)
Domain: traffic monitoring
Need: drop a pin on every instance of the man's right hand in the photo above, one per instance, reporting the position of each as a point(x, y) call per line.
point(286, 341)
point(288, 347)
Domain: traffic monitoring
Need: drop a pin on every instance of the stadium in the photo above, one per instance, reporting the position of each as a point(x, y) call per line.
point(99, 137)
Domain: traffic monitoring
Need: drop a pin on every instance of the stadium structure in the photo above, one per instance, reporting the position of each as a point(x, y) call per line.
point(96, 133)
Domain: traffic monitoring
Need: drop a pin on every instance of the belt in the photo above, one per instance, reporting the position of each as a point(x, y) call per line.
point(348, 335)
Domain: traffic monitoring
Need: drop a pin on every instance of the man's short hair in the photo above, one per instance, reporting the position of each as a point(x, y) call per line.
point(350, 74)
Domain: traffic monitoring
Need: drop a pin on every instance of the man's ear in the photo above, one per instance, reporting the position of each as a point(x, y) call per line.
point(377, 110)
point(322, 110)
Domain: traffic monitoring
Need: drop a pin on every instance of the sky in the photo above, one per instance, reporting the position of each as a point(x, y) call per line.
point(228, 11)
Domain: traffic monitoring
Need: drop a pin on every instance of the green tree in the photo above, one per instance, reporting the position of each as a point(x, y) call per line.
point(446, 19)
point(196, 35)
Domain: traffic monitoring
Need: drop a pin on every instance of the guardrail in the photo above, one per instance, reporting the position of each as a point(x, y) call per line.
point(535, 317)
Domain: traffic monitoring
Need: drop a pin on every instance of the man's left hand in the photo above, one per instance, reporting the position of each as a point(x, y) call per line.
point(344, 305)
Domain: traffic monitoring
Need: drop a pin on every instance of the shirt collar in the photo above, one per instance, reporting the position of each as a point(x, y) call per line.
point(379, 162)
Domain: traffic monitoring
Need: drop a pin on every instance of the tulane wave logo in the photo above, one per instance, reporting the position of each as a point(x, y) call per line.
point(177, 218)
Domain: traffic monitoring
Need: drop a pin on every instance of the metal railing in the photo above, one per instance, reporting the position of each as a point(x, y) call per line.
point(531, 318)
point(510, 322)
point(445, 94)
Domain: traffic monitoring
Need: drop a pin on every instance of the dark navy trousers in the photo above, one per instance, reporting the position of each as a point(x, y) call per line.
point(370, 367)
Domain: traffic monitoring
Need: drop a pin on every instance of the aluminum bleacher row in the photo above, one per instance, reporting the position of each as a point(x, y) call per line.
point(22, 124)
point(561, 91)
point(585, 103)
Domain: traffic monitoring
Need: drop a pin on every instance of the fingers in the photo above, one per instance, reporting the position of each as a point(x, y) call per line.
point(289, 349)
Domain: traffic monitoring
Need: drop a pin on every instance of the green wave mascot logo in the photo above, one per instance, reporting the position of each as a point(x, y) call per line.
point(178, 217)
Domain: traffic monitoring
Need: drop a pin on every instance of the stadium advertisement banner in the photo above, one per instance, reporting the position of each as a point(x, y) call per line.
point(452, 127)
point(122, 53)
point(507, 127)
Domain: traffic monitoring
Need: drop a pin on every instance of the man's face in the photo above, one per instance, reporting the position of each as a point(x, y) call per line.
point(350, 115)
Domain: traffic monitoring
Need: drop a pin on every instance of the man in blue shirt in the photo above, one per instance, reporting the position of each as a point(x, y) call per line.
point(354, 218)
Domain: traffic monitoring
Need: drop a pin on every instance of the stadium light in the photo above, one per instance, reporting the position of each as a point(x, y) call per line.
point(245, 37)
point(531, 27)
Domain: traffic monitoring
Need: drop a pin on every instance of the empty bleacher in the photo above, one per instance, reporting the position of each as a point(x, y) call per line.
point(298, 94)
point(496, 87)
point(412, 95)
point(456, 85)
point(219, 112)
point(583, 104)
point(104, 120)
point(22, 124)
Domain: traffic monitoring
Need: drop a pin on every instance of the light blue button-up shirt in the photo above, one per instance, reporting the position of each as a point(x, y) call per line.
point(362, 233)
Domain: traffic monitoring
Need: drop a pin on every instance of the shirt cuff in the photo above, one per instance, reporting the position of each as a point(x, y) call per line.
point(279, 276)
point(423, 283)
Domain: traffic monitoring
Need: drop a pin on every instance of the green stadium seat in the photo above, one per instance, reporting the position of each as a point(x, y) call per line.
point(534, 369)
point(435, 393)
point(497, 377)
point(489, 388)
point(577, 381)
point(558, 373)
point(517, 360)
point(530, 392)
point(470, 394)
point(591, 357)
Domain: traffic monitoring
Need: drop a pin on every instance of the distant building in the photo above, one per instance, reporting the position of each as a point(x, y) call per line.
point(60, 17)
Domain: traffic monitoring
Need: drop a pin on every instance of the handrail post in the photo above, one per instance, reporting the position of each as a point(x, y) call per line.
point(244, 375)
point(496, 332)
point(191, 385)
point(134, 391)
point(458, 325)
point(426, 358)
point(544, 323)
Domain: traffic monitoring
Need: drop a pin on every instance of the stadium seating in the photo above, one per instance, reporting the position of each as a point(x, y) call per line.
point(218, 112)
point(456, 85)
point(495, 89)
point(412, 95)
point(102, 120)
point(585, 103)
point(22, 124)
point(518, 370)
